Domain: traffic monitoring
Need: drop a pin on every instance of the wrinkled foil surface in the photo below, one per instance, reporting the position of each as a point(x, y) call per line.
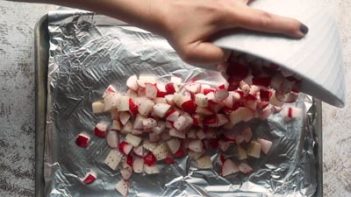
point(87, 53)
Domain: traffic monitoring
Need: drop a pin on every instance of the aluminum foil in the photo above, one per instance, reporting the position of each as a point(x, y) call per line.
point(89, 52)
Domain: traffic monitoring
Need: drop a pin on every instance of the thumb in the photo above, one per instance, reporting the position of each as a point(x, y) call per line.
point(204, 53)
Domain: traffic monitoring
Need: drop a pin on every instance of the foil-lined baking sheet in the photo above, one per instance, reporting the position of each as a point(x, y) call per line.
point(87, 53)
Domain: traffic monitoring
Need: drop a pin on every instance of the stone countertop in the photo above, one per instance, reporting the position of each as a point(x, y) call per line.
point(17, 104)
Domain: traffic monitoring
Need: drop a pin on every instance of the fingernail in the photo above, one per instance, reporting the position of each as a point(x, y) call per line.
point(303, 29)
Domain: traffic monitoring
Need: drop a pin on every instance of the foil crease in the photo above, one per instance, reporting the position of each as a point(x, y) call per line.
point(86, 55)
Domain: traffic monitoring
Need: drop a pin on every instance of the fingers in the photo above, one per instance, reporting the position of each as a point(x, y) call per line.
point(204, 53)
point(258, 20)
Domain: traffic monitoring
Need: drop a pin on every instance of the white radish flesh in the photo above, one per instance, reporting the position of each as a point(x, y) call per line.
point(112, 139)
point(265, 145)
point(98, 107)
point(133, 140)
point(138, 165)
point(160, 109)
point(173, 145)
point(254, 149)
point(122, 187)
point(229, 167)
point(113, 159)
point(204, 162)
point(132, 82)
point(124, 117)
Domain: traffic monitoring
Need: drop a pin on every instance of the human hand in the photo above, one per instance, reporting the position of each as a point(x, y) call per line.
point(189, 25)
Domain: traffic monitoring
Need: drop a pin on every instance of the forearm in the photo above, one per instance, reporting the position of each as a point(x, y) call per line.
point(141, 13)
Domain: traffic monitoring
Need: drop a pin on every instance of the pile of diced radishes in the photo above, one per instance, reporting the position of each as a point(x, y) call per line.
point(159, 121)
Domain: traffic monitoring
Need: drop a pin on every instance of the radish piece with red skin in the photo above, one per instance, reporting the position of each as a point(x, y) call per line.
point(169, 99)
point(210, 121)
point(245, 168)
point(138, 165)
point(172, 115)
point(189, 106)
point(132, 82)
point(125, 147)
point(133, 107)
point(265, 145)
point(180, 153)
point(265, 95)
point(229, 167)
point(146, 78)
point(170, 88)
point(122, 187)
point(169, 160)
point(101, 129)
point(109, 90)
point(291, 113)
point(89, 177)
point(203, 111)
point(82, 140)
point(150, 159)
point(193, 87)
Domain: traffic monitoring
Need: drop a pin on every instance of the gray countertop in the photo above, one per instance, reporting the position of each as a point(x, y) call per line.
point(17, 104)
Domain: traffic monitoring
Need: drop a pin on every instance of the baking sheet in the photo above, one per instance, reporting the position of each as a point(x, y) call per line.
point(87, 55)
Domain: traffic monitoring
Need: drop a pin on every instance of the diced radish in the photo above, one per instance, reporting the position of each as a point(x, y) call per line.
point(245, 87)
point(160, 100)
point(128, 128)
point(122, 187)
point(123, 103)
point(201, 100)
point(133, 107)
point(101, 129)
point(115, 114)
point(184, 121)
point(112, 139)
point(133, 140)
point(291, 113)
point(161, 151)
point(265, 145)
point(254, 90)
point(220, 95)
point(161, 89)
point(125, 147)
point(229, 167)
point(275, 101)
point(247, 134)
point(176, 80)
point(149, 123)
point(210, 121)
point(194, 155)
point(128, 161)
point(175, 133)
point(151, 169)
point(245, 168)
point(196, 146)
point(150, 159)
point(139, 151)
point(131, 93)
point(189, 106)
point(223, 145)
point(169, 160)
point(179, 98)
point(205, 89)
point(136, 132)
point(124, 117)
point(241, 153)
point(126, 173)
point(89, 177)
point(170, 88)
point(203, 111)
point(150, 90)
point(150, 146)
point(193, 87)
point(98, 107)
point(254, 149)
point(197, 120)
point(138, 165)
point(160, 109)
point(169, 99)
point(229, 101)
point(132, 82)
point(138, 122)
point(82, 140)
point(204, 162)
point(241, 114)
point(211, 96)
point(146, 78)
point(221, 120)
point(161, 126)
point(291, 97)
point(191, 134)
point(113, 159)
point(265, 95)
point(109, 90)
point(145, 106)
point(200, 134)
point(141, 92)
point(172, 115)
point(173, 145)
point(154, 137)
point(210, 134)
point(165, 136)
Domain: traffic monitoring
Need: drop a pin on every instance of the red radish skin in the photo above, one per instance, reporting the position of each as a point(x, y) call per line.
point(133, 108)
point(83, 140)
point(89, 178)
point(125, 148)
point(101, 129)
point(189, 106)
point(170, 89)
point(150, 159)
point(169, 160)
